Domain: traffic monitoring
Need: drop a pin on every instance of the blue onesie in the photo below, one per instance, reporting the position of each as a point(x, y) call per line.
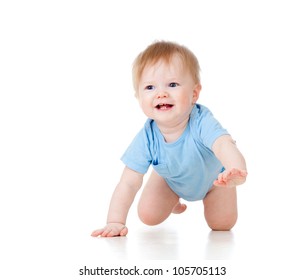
point(188, 165)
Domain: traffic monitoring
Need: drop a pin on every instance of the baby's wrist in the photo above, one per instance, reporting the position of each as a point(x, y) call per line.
point(111, 222)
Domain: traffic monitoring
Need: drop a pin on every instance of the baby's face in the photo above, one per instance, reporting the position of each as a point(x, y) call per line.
point(167, 92)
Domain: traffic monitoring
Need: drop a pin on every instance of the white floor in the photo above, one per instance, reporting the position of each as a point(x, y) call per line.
point(46, 231)
point(56, 241)
point(181, 237)
point(262, 235)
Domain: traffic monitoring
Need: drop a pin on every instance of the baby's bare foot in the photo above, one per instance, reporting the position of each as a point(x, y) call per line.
point(179, 208)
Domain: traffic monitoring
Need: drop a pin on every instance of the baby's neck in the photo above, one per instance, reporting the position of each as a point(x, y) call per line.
point(172, 133)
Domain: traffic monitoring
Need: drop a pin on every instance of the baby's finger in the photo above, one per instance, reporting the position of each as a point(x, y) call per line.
point(111, 233)
point(221, 177)
point(97, 232)
point(225, 176)
point(124, 231)
point(116, 232)
point(106, 233)
point(218, 183)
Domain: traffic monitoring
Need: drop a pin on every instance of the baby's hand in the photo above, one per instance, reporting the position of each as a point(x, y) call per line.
point(111, 230)
point(231, 178)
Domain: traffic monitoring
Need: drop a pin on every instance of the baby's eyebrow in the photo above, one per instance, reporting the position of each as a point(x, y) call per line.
point(147, 82)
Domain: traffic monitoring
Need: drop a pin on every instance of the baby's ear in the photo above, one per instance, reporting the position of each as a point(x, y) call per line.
point(196, 92)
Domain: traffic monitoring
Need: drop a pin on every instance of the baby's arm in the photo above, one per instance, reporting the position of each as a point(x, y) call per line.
point(235, 165)
point(121, 201)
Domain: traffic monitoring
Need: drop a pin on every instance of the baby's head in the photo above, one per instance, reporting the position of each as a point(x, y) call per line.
point(164, 51)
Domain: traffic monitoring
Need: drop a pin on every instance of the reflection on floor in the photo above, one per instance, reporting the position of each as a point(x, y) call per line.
point(184, 236)
point(162, 243)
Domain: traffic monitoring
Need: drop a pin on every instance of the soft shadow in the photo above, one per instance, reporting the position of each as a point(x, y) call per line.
point(146, 243)
point(157, 244)
point(220, 245)
point(117, 247)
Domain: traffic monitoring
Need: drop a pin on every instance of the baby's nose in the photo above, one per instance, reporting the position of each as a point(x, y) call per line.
point(162, 94)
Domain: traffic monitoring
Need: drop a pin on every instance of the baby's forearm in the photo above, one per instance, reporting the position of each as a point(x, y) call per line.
point(229, 155)
point(233, 158)
point(123, 197)
point(119, 205)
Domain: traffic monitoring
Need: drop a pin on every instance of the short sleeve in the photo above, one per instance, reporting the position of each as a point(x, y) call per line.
point(209, 128)
point(137, 156)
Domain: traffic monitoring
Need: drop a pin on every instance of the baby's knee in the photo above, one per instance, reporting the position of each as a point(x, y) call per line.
point(223, 224)
point(148, 217)
point(221, 227)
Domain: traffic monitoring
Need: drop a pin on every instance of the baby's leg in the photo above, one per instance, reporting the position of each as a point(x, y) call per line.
point(220, 208)
point(158, 201)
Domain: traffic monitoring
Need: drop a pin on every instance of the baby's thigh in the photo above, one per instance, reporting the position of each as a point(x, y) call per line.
point(157, 198)
point(220, 208)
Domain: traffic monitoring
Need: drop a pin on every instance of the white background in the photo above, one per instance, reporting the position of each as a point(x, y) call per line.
point(67, 113)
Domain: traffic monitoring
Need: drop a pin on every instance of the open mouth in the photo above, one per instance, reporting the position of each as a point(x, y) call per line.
point(163, 106)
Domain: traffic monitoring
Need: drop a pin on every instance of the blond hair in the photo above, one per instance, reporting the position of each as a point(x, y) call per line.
point(162, 50)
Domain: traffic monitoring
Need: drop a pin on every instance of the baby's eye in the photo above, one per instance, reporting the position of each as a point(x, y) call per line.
point(149, 87)
point(173, 84)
